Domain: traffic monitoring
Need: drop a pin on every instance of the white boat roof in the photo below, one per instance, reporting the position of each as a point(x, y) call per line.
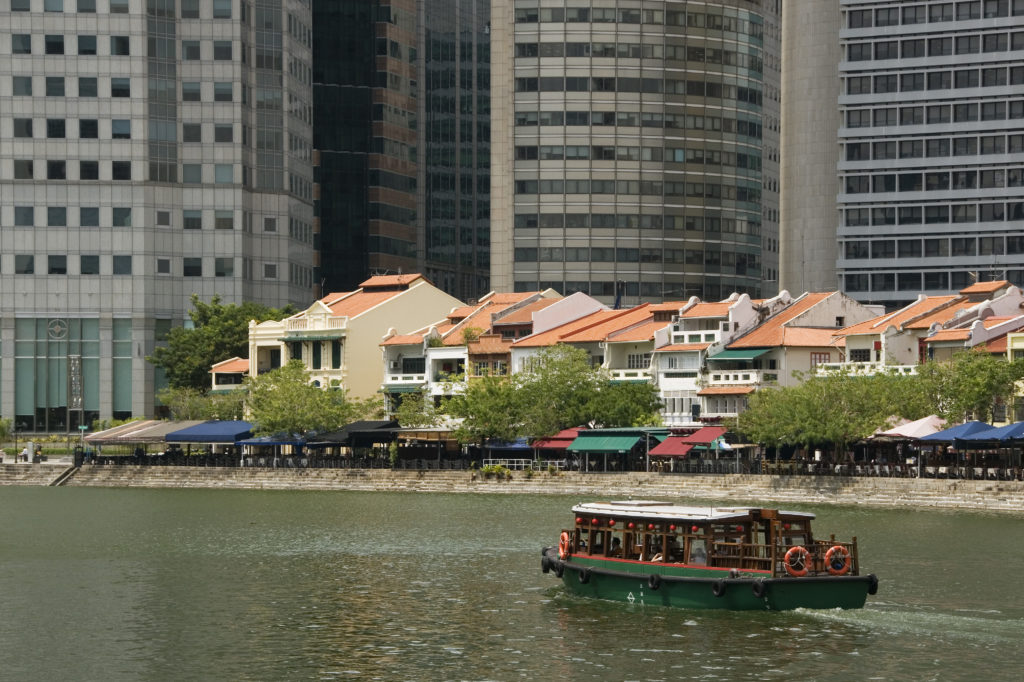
point(650, 509)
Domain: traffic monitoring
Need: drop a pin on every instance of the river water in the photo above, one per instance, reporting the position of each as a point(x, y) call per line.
point(122, 584)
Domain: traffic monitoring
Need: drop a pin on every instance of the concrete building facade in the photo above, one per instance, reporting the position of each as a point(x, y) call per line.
point(635, 147)
point(152, 150)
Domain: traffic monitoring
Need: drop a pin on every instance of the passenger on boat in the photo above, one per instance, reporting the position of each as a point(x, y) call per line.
point(616, 549)
point(698, 556)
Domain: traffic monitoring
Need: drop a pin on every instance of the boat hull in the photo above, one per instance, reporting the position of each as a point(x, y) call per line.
point(705, 588)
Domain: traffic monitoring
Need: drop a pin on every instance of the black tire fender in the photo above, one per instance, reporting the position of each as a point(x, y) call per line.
point(872, 583)
point(654, 581)
point(545, 564)
point(584, 576)
point(559, 569)
point(718, 588)
point(759, 588)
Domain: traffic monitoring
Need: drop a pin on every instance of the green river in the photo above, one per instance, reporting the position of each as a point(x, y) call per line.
point(127, 584)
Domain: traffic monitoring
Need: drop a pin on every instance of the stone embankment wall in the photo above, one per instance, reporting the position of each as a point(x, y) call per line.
point(1006, 496)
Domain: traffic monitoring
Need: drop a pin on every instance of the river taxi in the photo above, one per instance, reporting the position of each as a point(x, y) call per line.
point(740, 558)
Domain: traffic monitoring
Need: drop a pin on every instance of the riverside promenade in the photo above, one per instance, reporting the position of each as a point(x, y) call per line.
point(995, 496)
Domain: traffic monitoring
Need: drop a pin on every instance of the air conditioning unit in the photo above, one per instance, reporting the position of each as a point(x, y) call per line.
point(395, 364)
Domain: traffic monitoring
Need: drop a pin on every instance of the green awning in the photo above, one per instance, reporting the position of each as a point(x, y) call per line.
point(748, 354)
point(603, 443)
point(402, 388)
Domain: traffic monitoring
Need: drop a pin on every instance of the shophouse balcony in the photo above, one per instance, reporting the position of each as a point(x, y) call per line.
point(864, 368)
point(742, 377)
point(630, 374)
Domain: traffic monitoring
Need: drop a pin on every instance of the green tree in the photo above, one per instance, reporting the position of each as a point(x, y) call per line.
point(624, 404)
point(489, 407)
point(190, 403)
point(219, 332)
point(969, 385)
point(556, 390)
point(417, 409)
point(283, 401)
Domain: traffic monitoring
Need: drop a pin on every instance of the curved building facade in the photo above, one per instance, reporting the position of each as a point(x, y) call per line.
point(635, 147)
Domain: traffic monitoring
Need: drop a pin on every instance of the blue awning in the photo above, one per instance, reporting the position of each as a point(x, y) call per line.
point(996, 435)
point(959, 431)
point(281, 439)
point(212, 432)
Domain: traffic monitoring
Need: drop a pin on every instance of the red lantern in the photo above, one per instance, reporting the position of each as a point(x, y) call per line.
point(594, 521)
point(579, 520)
point(739, 529)
point(630, 526)
point(611, 522)
point(694, 529)
point(650, 526)
point(785, 526)
point(672, 527)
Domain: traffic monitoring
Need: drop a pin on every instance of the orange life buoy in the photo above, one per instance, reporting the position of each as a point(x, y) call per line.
point(796, 561)
point(837, 560)
point(564, 545)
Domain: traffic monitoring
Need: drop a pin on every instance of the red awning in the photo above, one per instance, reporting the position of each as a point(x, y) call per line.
point(673, 446)
point(705, 435)
point(560, 441)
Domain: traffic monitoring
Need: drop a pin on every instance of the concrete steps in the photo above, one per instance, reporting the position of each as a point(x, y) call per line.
point(29, 474)
point(742, 488)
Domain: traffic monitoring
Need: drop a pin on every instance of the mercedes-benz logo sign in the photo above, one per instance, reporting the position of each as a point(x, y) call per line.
point(58, 329)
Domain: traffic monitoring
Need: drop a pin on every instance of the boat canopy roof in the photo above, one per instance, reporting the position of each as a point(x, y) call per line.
point(670, 511)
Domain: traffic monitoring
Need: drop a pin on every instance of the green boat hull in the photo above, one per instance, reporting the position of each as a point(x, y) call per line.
point(706, 588)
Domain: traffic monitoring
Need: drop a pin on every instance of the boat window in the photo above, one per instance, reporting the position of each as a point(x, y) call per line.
point(698, 552)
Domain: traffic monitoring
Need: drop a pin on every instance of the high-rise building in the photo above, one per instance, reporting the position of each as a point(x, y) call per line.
point(152, 150)
point(932, 147)
point(401, 100)
point(635, 147)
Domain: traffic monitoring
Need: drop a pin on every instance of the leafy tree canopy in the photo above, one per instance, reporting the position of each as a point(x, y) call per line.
point(417, 409)
point(190, 403)
point(283, 401)
point(219, 332)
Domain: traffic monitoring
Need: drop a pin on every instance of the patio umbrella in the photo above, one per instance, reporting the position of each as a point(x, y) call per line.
point(954, 432)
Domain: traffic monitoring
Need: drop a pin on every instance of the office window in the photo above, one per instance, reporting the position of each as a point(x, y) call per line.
point(56, 264)
point(119, 6)
point(163, 218)
point(937, 147)
point(270, 224)
point(967, 78)
point(224, 220)
point(192, 267)
point(54, 44)
point(270, 271)
point(190, 50)
point(121, 129)
point(21, 43)
point(21, 5)
point(222, 50)
point(55, 127)
point(887, 49)
point(89, 216)
point(24, 216)
point(189, 9)
point(163, 266)
point(120, 87)
point(89, 265)
point(24, 264)
point(120, 46)
point(87, 87)
point(56, 216)
point(224, 267)
point(86, 6)
point(910, 116)
point(87, 45)
point(88, 128)
point(23, 169)
point(122, 265)
point(192, 219)
point(121, 216)
point(913, 48)
point(120, 170)
point(191, 132)
point(223, 173)
point(54, 86)
point(939, 47)
point(222, 92)
point(190, 92)
point(223, 132)
point(191, 173)
point(23, 127)
point(53, 5)
point(88, 170)
point(968, 44)
point(56, 170)
point(222, 9)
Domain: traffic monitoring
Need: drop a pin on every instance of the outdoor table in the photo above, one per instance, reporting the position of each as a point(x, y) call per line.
point(993, 474)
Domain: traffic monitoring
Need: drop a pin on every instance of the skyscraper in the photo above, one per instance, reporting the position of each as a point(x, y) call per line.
point(932, 138)
point(635, 147)
point(401, 92)
point(152, 150)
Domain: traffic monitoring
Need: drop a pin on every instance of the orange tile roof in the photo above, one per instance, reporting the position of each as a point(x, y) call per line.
point(808, 336)
point(511, 297)
point(667, 306)
point(525, 314)
point(231, 365)
point(992, 321)
point(489, 344)
point(996, 345)
point(642, 332)
point(772, 332)
point(358, 302)
point(601, 330)
point(462, 312)
point(682, 346)
point(403, 340)
point(726, 390)
point(961, 334)
point(985, 287)
point(390, 280)
point(480, 318)
point(899, 317)
point(560, 333)
point(709, 310)
point(940, 316)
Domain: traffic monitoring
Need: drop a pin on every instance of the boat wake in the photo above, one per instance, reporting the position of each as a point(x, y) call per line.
point(942, 626)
